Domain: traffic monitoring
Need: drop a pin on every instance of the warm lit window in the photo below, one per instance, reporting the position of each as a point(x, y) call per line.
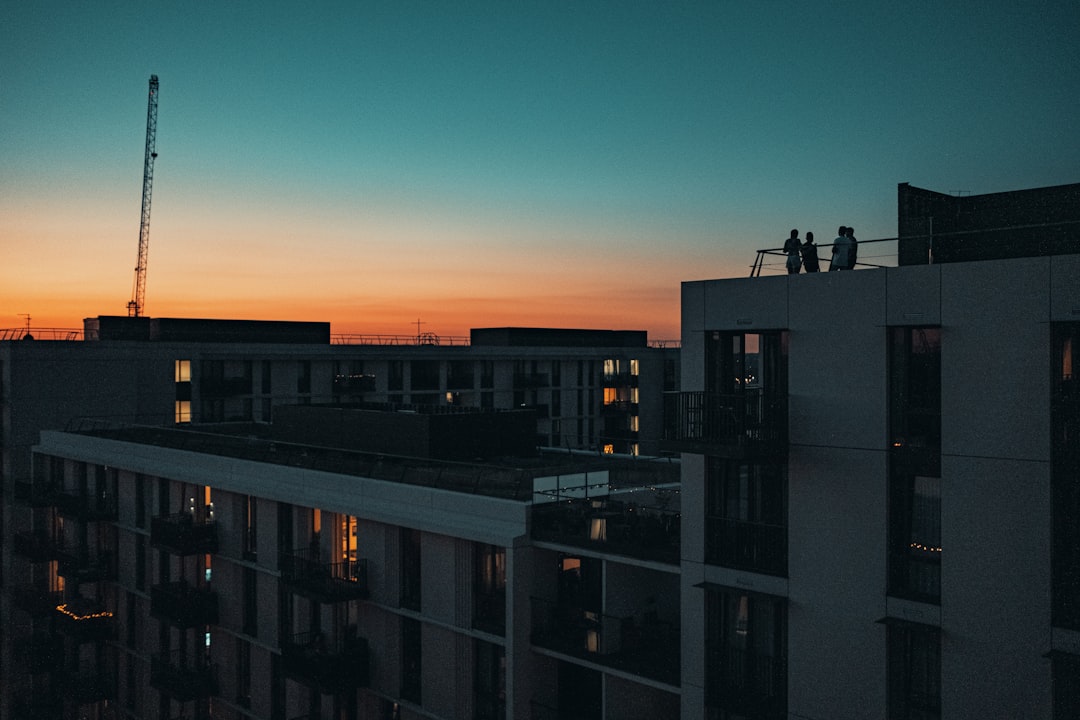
point(183, 411)
point(609, 449)
point(635, 449)
point(633, 367)
point(611, 395)
point(634, 423)
point(611, 367)
point(183, 371)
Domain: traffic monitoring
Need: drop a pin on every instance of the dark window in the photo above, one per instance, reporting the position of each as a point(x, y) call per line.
point(410, 660)
point(556, 373)
point(251, 546)
point(487, 373)
point(487, 400)
point(556, 403)
point(243, 673)
point(489, 591)
point(1065, 478)
point(746, 516)
point(140, 501)
point(424, 375)
point(915, 393)
point(395, 379)
point(914, 672)
point(746, 654)
point(267, 378)
point(410, 569)
point(1066, 688)
point(914, 536)
point(460, 375)
point(251, 602)
point(489, 682)
point(132, 620)
point(140, 562)
point(303, 377)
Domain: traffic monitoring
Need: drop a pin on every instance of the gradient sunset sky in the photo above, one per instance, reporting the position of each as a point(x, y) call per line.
point(563, 164)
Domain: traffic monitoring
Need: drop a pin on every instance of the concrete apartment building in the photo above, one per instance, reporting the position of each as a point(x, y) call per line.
point(884, 520)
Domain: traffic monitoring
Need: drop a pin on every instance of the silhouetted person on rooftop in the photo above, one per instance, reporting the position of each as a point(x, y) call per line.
point(791, 247)
point(809, 254)
point(854, 250)
point(841, 251)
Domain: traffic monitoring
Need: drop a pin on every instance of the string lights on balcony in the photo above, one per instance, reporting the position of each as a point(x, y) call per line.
point(82, 616)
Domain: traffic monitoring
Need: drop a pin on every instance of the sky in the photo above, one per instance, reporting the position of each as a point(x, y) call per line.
point(484, 164)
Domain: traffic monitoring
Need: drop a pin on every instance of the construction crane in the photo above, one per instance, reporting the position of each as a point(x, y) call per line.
point(138, 292)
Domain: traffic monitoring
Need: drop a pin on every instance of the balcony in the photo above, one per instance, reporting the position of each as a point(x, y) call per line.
point(645, 647)
point(183, 605)
point(95, 507)
point(753, 546)
point(80, 567)
point(183, 678)
point(184, 534)
point(38, 603)
point(329, 664)
point(620, 528)
point(304, 574)
point(746, 683)
point(84, 620)
point(36, 546)
point(736, 425)
point(34, 494)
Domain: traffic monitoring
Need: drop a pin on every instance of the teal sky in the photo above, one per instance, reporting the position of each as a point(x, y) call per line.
point(501, 163)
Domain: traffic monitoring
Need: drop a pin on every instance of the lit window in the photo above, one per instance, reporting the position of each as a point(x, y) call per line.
point(611, 367)
point(634, 424)
point(611, 396)
point(635, 449)
point(183, 371)
point(609, 449)
point(633, 367)
point(183, 411)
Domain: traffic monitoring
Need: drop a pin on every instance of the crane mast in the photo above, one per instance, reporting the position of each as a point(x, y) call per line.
point(138, 292)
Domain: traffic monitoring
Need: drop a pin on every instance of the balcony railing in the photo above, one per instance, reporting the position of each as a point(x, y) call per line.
point(304, 573)
point(184, 534)
point(728, 424)
point(94, 507)
point(183, 678)
point(36, 546)
point(645, 647)
point(184, 605)
point(758, 547)
point(80, 567)
point(745, 682)
point(331, 664)
point(641, 531)
point(84, 620)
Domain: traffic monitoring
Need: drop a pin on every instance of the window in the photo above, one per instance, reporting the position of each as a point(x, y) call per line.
point(746, 516)
point(487, 373)
point(182, 411)
point(460, 376)
point(303, 377)
point(914, 671)
point(424, 375)
point(914, 536)
point(411, 668)
point(250, 544)
point(1066, 687)
point(489, 589)
point(250, 590)
point(1065, 469)
point(243, 673)
point(395, 375)
point(410, 569)
point(915, 392)
point(746, 653)
point(266, 380)
point(183, 371)
point(489, 682)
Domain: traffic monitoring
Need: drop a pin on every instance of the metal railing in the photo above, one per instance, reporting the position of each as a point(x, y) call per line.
point(743, 545)
point(752, 417)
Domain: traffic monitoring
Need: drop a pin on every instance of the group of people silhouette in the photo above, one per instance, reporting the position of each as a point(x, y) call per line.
point(804, 255)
